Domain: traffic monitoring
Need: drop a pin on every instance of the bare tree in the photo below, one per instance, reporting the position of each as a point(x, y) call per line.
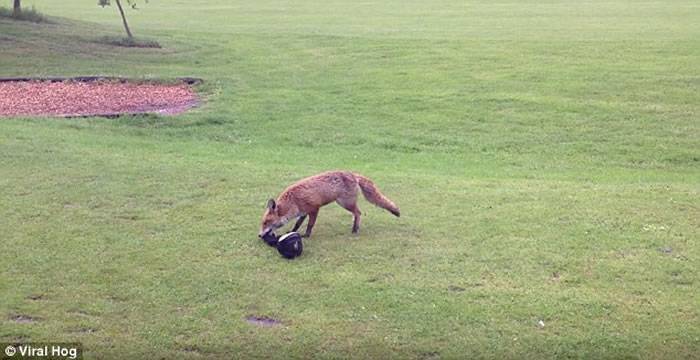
point(126, 25)
point(132, 4)
point(16, 8)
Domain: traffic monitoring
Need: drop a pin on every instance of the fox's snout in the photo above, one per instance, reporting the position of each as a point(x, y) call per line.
point(264, 232)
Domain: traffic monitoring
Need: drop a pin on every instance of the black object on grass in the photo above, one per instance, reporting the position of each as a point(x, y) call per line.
point(289, 245)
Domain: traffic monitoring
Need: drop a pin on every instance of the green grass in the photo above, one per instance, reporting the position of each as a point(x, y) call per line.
point(545, 156)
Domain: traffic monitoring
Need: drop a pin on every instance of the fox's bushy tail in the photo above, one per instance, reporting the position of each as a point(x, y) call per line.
point(373, 195)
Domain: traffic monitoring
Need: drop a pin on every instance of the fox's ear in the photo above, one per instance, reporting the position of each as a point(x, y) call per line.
point(271, 204)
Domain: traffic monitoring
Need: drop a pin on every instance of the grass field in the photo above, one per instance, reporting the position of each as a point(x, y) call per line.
point(545, 156)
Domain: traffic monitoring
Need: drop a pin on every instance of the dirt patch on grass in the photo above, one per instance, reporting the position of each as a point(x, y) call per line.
point(84, 330)
point(87, 96)
point(191, 349)
point(263, 321)
point(23, 319)
point(429, 355)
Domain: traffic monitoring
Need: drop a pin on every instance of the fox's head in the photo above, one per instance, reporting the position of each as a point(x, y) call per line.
point(272, 219)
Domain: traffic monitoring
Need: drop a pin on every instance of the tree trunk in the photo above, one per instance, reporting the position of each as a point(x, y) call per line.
point(17, 8)
point(126, 26)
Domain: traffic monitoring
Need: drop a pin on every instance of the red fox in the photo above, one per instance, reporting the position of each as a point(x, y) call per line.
point(306, 197)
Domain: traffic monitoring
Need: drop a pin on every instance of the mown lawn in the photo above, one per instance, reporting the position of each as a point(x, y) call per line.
point(545, 156)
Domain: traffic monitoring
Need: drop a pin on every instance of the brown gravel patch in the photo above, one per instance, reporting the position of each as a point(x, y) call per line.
point(93, 98)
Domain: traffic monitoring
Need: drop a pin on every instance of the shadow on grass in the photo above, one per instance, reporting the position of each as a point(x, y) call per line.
point(31, 15)
point(128, 42)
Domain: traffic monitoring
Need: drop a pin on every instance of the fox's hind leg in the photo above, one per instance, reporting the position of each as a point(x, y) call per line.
point(299, 222)
point(351, 206)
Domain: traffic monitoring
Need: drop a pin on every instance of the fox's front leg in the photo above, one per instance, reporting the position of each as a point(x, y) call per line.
point(311, 223)
point(299, 222)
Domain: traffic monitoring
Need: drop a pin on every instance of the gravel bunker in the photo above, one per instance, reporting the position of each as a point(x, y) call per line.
point(93, 97)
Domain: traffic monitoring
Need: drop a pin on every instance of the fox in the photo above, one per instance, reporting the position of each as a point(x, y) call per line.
point(305, 198)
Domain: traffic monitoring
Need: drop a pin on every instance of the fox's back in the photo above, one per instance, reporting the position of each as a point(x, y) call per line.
point(321, 189)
